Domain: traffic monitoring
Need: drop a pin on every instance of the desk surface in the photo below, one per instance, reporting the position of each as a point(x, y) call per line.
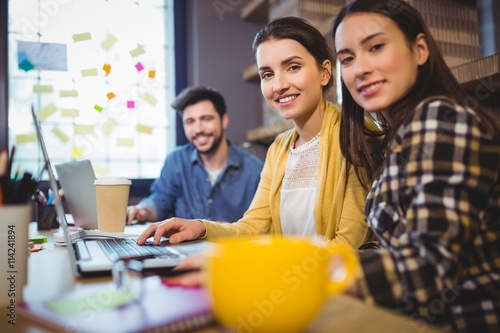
point(50, 275)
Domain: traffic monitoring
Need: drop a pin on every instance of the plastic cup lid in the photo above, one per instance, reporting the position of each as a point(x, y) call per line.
point(110, 180)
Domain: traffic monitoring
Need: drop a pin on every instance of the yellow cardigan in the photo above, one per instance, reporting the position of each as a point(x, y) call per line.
point(338, 209)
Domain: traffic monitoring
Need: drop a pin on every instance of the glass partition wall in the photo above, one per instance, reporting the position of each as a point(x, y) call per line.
point(100, 75)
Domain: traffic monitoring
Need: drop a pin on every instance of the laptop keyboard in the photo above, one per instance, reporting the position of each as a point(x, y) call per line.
point(127, 248)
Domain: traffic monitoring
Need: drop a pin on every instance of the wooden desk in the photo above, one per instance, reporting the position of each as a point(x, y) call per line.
point(49, 275)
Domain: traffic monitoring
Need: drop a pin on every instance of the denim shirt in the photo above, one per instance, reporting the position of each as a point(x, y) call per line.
point(184, 190)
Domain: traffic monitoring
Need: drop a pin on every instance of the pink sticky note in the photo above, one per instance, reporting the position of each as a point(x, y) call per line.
point(139, 66)
point(130, 104)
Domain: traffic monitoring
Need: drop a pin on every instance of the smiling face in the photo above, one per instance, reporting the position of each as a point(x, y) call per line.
point(204, 127)
point(378, 66)
point(291, 80)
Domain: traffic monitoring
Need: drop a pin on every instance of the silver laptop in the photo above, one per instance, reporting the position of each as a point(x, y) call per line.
point(77, 182)
point(91, 257)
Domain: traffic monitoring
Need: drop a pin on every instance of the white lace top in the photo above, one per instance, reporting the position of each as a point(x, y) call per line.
point(298, 190)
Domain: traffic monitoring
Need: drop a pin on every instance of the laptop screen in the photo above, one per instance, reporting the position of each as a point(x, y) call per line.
point(57, 201)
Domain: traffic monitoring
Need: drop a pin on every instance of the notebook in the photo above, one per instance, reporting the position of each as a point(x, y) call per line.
point(77, 182)
point(92, 257)
point(86, 309)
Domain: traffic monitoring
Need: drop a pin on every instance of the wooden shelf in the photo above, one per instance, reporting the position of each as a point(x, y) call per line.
point(325, 28)
point(256, 11)
point(483, 74)
point(265, 135)
point(251, 73)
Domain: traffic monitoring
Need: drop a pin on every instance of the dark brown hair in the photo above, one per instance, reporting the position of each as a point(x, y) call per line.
point(434, 78)
point(193, 95)
point(301, 31)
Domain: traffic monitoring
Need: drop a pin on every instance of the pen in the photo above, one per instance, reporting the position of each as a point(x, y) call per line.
point(11, 159)
point(51, 197)
point(16, 175)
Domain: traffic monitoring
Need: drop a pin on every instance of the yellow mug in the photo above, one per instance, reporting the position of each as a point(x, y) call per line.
point(274, 283)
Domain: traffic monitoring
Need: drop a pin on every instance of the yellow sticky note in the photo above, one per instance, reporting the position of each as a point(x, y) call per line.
point(144, 129)
point(41, 88)
point(108, 42)
point(137, 51)
point(68, 93)
point(82, 37)
point(152, 74)
point(89, 72)
point(47, 111)
point(84, 129)
point(26, 138)
point(125, 142)
point(76, 152)
point(72, 113)
point(150, 99)
point(110, 95)
point(108, 126)
point(60, 134)
point(100, 170)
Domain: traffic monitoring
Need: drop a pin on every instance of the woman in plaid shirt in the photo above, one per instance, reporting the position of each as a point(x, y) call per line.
point(434, 170)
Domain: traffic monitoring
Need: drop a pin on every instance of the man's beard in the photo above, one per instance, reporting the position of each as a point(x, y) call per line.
point(213, 148)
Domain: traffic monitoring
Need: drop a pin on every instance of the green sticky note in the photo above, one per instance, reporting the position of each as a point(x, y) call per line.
point(101, 300)
point(38, 239)
point(25, 65)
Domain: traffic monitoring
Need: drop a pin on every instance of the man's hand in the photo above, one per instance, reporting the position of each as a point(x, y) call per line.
point(140, 213)
point(177, 230)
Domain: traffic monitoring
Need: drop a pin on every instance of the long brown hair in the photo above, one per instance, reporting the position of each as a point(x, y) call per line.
point(434, 78)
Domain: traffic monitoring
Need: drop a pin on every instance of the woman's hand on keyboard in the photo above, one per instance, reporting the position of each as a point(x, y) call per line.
point(176, 229)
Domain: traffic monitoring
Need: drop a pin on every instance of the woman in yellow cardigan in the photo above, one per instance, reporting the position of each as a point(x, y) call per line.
point(306, 187)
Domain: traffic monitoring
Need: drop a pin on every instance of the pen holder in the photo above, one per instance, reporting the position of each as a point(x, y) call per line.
point(46, 217)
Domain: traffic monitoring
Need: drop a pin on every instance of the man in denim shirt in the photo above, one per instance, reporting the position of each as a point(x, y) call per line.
point(208, 178)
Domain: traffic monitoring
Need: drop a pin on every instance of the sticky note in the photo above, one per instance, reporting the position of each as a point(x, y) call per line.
point(60, 134)
point(137, 51)
point(125, 142)
point(100, 170)
point(108, 126)
point(38, 239)
point(25, 65)
point(139, 67)
point(76, 152)
point(41, 88)
point(107, 68)
point(130, 104)
point(107, 298)
point(84, 129)
point(151, 74)
point(144, 129)
point(89, 72)
point(82, 37)
point(98, 108)
point(150, 99)
point(108, 43)
point(68, 93)
point(47, 111)
point(110, 95)
point(73, 113)
point(26, 138)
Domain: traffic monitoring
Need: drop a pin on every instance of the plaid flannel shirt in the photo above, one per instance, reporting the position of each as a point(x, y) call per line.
point(436, 212)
